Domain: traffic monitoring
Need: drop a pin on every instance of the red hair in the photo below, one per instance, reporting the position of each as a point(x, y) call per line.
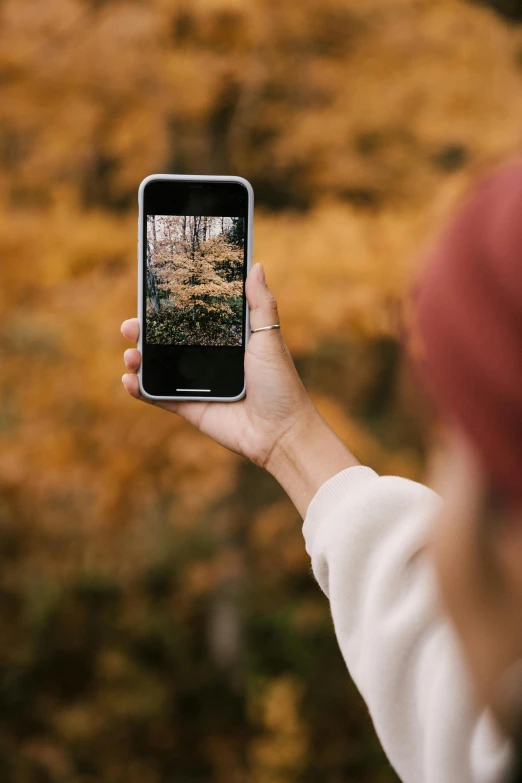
point(468, 317)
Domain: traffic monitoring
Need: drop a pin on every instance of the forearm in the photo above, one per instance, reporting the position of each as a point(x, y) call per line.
point(306, 457)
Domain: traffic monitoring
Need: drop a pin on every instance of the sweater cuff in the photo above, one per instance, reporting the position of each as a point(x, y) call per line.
point(330, 494)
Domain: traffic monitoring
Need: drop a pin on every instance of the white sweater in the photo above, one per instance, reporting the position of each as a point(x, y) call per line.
point(367, 538)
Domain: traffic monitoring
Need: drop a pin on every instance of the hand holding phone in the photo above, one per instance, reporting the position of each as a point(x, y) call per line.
point(194, 357)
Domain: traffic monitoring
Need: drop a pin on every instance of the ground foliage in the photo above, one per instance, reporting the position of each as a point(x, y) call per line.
point(159, 621)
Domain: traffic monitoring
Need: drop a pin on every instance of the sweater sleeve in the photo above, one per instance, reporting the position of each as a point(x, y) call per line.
point(367, 538)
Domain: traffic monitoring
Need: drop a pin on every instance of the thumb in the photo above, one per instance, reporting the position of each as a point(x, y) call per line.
point(263, 306)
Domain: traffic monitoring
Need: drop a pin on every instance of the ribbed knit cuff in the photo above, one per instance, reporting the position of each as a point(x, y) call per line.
point(330, 494)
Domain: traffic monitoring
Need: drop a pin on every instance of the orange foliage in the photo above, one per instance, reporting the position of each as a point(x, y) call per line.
point(128, 542)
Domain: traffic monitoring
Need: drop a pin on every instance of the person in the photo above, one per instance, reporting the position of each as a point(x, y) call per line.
point(425, 585)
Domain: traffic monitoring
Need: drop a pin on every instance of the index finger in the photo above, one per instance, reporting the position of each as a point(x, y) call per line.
point(131, 329)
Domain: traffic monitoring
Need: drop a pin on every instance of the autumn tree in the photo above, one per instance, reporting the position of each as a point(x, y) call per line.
point(195, 269)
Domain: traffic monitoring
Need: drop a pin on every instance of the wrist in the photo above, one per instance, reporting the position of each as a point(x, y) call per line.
point(306, 456)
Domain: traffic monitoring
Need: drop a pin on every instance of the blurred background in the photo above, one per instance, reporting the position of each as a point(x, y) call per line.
point(158, 619)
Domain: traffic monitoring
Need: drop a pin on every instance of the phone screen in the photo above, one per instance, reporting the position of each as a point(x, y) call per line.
point(194, 246)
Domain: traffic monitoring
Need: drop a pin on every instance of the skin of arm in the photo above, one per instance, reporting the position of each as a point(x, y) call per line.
point(304, 461)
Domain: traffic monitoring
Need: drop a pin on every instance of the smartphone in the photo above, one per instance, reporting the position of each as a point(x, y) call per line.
point(194, 253)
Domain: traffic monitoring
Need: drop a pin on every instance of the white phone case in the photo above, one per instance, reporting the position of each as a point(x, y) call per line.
point(190, 178)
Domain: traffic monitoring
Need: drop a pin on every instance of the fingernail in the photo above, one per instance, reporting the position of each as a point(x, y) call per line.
point(123, 377)
point(261, 274)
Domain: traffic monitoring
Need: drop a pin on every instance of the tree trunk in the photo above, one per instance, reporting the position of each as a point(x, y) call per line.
point(152, 283)
point(171, 243)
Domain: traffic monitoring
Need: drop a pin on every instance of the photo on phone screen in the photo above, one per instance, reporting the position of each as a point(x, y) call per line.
point(195, 240)
point(195, 280)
